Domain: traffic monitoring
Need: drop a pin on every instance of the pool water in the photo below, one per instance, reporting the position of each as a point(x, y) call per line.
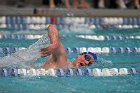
point(121, 84)
point(81, 84)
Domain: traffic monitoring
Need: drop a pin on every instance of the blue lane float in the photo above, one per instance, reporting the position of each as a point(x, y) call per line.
point(65, 20)
point(19, 36)
point(100, 50)
point(16, 72)
point(36, 22)
point(32, 26)
point(91, 37)
point(102, 38)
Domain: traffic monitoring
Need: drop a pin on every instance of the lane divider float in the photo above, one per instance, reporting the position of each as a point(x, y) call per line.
point(100, 50)
point(91, 37)
point(15, 72)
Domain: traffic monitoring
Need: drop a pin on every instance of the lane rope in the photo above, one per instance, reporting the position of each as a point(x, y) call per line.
point(102, 38)
point(100, 50)
point(15, 72)
point(92, 37)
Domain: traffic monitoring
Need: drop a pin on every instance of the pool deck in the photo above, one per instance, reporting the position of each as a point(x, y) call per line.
point(70, 12)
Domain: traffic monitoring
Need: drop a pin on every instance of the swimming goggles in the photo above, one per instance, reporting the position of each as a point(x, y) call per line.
point(87, 58)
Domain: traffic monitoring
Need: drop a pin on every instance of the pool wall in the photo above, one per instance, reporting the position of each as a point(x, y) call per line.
point(70, 12)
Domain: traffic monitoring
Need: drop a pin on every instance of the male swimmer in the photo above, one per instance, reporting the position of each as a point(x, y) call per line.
point(57, 54)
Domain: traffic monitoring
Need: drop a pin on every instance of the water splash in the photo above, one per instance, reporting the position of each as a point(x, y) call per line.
point(25, 56)
point(103, 62)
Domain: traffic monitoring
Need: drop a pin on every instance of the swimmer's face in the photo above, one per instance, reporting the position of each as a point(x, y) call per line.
point(83, 60)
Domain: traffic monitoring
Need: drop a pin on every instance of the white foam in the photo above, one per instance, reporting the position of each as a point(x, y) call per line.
point(27, 55)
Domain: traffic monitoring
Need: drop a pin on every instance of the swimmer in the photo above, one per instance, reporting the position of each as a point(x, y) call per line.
point(57, 54)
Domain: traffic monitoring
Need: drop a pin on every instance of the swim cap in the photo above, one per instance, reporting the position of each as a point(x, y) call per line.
point(93, 55)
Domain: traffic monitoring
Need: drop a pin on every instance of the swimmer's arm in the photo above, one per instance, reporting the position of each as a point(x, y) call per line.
point(54, 41)
point(53, 35)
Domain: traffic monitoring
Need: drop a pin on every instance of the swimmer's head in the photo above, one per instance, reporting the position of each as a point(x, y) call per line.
point(92, 54)
point(85, 58)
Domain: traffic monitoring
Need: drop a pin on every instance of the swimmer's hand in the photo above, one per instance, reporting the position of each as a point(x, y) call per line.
point(48, 50)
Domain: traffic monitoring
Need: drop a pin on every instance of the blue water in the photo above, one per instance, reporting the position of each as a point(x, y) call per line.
point(121, 84)
point(80, 84)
